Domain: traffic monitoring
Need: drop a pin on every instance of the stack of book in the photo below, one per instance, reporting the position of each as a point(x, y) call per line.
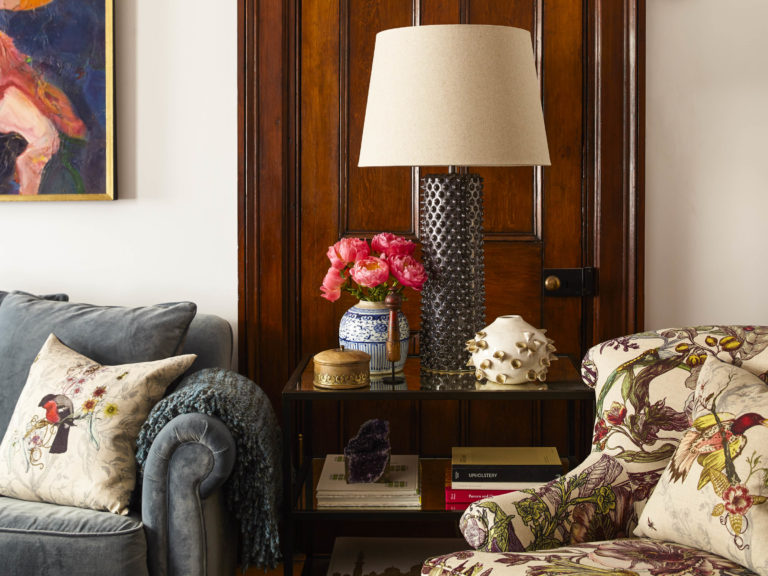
point(477, 473)
point(399, 488)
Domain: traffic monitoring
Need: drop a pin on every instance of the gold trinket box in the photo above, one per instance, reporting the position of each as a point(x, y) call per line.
point(342, 369)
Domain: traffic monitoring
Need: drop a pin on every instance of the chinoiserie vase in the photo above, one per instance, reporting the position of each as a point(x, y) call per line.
point(364, 327)
point(511, 351)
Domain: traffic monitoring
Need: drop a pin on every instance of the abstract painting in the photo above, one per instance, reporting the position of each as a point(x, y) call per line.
point(56, 100)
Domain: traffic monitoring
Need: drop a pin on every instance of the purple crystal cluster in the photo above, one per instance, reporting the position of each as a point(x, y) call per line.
point(366, 456)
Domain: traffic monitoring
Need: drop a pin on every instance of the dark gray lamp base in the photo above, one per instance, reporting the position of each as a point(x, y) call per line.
point(453, 298)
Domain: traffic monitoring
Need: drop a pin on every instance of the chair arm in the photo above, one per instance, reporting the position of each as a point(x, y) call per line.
point(191, 457)
point(592, 502)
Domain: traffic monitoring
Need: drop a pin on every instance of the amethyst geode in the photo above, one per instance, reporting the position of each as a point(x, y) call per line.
point(366, 456)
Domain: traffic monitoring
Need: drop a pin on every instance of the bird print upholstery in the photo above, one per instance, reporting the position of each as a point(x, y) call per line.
point(644, 393)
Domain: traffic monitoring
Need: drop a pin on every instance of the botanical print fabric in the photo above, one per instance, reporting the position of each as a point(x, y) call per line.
point(644, 387)
point(72, 436)
point(622, 557)
point(593, 502)
point(714, 491)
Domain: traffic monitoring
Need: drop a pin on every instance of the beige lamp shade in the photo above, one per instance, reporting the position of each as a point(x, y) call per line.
point(454, 95)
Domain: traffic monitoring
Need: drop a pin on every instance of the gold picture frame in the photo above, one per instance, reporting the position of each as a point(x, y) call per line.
point(57, 128)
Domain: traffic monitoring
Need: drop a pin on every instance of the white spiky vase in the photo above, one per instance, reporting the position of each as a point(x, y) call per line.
point(511, 351)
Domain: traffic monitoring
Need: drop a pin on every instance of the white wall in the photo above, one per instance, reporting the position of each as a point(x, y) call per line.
point(706, 162)
point(172, 235)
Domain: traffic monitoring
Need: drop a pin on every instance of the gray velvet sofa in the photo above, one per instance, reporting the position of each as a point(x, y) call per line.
point(180, 526)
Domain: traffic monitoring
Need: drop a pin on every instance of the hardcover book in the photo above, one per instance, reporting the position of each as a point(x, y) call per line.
point(399, 490)
point(455, 494)
point(469, 495)
point(505, 464)
point(402, 478)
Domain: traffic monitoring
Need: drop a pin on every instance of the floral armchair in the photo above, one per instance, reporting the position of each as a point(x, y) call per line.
point(583, 522)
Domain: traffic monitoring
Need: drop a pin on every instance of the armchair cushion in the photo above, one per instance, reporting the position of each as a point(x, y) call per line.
point(711, 498)
point(592, 502)
point(623, 557)
point(644, 390)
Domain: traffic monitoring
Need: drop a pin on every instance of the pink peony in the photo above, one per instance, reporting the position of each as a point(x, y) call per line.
point(390, 245)
point(408, 271)
point(400, 247)
point(380, 242)
point(351, 249)
point(370, 271)
point(333, 256)
point(331, 288)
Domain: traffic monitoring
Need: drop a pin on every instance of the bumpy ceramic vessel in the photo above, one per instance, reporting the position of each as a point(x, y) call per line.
point(510, 351)
point(364, 327)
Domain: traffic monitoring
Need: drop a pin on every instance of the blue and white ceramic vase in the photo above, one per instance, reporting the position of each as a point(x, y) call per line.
point(364, 327)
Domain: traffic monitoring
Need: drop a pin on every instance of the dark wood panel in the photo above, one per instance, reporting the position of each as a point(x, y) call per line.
point(439, 12)
point(319, 169)
point(503, 423)
point(373, 199)
point(303, 81)
point(304, 67)
point(440, 426)
point(614, 116)
point(512, 278)
point(511, 195)
point(562, 218)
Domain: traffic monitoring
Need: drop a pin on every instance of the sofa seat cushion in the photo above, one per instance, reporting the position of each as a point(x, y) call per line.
point(623, 557)
point(39, 538)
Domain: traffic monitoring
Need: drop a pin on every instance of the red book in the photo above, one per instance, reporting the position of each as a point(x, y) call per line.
point(456, 495)
point(457, 505)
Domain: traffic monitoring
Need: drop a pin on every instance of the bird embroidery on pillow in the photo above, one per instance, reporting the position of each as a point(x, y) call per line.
point(705, 443)
point(59, 410)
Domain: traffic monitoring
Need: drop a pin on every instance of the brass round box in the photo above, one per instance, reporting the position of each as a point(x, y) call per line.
point(340, 368)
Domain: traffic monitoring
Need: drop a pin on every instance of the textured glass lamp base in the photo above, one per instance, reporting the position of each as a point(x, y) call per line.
point(453, 298)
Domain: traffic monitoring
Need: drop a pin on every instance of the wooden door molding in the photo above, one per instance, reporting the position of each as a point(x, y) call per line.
point(615, 162)
point(610, 175)
point(267, 156)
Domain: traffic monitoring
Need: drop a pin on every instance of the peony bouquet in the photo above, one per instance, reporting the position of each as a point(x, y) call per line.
point(357, 269)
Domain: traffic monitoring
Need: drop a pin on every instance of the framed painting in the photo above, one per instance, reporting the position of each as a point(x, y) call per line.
point(57, 100)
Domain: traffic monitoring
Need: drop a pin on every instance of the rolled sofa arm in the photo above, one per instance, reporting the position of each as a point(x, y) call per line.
point(592, 502)
point(191, 457)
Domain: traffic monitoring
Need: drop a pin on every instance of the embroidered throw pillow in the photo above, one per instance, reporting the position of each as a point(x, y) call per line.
point(714, 492)
point(72, 436)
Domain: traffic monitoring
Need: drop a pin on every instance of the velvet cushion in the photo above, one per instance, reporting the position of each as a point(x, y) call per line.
point(39, 538)
point(57, 297)
point(707, 497)
point(108, 335)
point(72, 436)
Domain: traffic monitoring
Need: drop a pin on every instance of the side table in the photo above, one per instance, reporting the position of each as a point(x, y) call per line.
point(564, 383)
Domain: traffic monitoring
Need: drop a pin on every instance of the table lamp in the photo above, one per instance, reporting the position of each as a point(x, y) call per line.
point(453, 95)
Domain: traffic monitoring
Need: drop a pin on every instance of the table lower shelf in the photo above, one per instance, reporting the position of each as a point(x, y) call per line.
point(432, 472)
point(432, 478)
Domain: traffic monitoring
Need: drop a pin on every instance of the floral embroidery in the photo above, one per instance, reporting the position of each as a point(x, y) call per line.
point(50, 433)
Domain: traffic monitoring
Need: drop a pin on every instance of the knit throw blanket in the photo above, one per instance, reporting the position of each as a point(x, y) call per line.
point(253, 490)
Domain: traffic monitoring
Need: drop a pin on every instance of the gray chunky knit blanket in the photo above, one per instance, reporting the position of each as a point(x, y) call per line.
point(253, 490)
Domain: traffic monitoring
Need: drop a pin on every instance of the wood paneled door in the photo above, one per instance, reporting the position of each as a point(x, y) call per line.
point(304, 72)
